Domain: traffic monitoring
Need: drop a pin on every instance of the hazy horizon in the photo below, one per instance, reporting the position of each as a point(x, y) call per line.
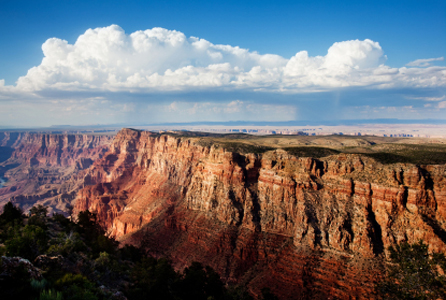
point(160, 63)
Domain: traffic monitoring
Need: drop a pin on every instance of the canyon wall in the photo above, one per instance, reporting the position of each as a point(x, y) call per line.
point(55, 149)
point(46, 169)
point(307, 228)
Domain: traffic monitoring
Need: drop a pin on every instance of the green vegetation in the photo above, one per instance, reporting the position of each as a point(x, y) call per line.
point(11, 214)
point(244, 147)
point(383, 150)
point(413, 273)
point(234, 145)
point(384, 153)
point(414, 154)
point(79, 262)
point(387, 158)
point(315, 152)
point(50, 295)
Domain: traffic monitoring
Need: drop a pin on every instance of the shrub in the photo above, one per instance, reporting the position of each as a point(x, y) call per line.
point(130, 252)
point(66, 244)
point(27, 242)
point(201, 282)
point(39, 211)
point(38, 216)
point(50, 295)
point(10, 214)
point(76, 287)
point(153, 279)
point(64, 222)
point(103, 260)
point(38, 284)
point(413, 273)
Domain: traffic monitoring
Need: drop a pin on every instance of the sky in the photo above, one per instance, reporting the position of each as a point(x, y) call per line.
point(143, 62)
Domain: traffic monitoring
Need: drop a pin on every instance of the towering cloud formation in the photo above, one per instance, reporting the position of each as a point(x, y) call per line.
point(107, 59)
point(160, 75)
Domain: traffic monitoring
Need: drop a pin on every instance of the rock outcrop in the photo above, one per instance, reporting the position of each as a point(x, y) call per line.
point(64, 150)
point(47, 169)
point(9, 266)
point(305, 227)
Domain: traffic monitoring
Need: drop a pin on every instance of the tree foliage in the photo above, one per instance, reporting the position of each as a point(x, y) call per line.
point(10, 214)
point(79, 261)
point(414, 273)
point(38, 216)
point(27, 242)
point(200, 282)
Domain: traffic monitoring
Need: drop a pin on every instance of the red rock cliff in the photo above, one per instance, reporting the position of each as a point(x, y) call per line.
point(305, 227)
point(47, 168)
point(59, 149)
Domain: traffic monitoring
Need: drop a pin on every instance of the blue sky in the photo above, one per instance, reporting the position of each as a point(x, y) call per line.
point(366, 38)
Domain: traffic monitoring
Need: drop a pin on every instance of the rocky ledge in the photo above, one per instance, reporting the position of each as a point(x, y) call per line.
point(305, 227)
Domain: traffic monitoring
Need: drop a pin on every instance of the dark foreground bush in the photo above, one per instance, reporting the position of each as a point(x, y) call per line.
point(78, 261)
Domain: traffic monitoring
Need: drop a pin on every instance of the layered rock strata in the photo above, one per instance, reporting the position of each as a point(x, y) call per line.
point(307, 228)
point(46, 168)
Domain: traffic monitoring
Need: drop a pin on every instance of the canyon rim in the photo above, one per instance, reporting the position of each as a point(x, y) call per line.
point(305, 227)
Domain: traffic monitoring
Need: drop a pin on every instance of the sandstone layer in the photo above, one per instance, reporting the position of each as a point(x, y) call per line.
point(307, 228)
point(46, 169)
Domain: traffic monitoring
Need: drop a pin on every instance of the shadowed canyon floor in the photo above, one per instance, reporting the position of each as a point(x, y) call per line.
point(309, 217)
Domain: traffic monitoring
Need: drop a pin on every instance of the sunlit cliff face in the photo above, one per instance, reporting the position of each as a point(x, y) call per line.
point(284, 213)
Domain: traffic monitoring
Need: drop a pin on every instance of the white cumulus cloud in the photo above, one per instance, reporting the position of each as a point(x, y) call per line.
point(425, 62)
point(159, 60)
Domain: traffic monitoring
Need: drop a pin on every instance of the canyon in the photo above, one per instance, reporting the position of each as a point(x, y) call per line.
point(45, 168)
point(307, 227)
